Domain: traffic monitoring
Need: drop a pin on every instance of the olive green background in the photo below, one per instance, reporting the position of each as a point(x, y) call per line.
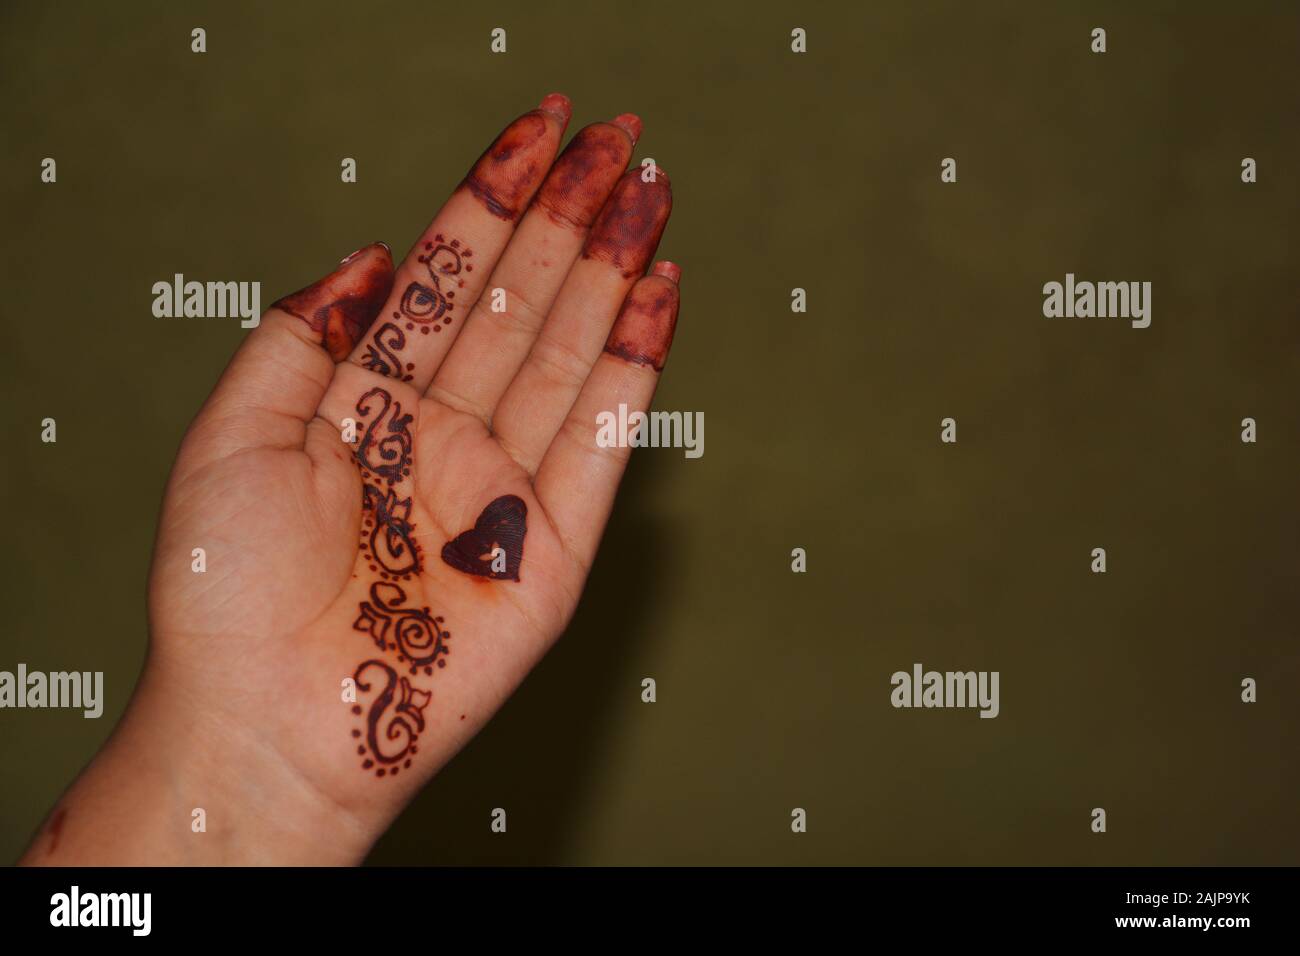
point(818, 171)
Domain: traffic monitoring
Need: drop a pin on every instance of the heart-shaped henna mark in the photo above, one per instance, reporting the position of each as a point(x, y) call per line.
point(502, 525)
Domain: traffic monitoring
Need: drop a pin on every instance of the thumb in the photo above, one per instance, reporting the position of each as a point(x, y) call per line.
point(338, 309)
point(274, 383)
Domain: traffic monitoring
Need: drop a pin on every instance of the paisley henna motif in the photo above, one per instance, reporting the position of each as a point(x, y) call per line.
point(392, 728)
point(385, 448)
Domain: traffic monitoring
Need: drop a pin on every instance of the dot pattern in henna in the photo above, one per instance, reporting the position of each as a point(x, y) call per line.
point(392, 719)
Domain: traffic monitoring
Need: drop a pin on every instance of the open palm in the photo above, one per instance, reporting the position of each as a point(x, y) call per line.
point(389, 544)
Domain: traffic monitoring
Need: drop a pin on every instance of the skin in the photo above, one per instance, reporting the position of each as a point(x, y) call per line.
point(241, 708)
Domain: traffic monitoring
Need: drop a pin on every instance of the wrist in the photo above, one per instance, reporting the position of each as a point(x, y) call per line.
point(184, 784)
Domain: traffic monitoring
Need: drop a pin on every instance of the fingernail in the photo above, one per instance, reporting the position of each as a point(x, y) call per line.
point(629, 123)
point(558, 104)
point(387, 249)
point(669, 270)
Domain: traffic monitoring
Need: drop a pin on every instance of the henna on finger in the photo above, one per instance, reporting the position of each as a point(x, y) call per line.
point(424, 306)
point(627, 231)
point(505, 177)
point(643, 331)
point(340, 307)
point(581, 179)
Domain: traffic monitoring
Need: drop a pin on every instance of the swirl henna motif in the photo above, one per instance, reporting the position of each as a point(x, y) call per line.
point(423, 304)
point(385, 451)
point(414, 633)
point(430, 306)
point(381, 353)
point(391, 729)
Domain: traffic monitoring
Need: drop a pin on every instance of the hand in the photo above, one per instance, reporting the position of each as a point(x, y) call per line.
point(415, 524)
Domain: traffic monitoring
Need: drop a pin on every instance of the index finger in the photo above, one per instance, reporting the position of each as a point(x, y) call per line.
point(446, 270)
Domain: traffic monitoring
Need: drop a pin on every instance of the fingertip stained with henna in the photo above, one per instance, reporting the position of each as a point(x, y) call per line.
point(627, 231)
point(341, 306)
point(509, 172)
point(643, 332)
point(581, 179)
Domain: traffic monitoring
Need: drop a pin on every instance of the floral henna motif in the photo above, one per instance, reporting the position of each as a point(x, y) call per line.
point(394, 717)
point(414, 633)
point(387, 538)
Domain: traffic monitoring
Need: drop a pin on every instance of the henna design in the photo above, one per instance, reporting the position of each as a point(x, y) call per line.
point(387, 723)
point(386, 455)
point(422, 307)
point(429, 307)
point(414, 633)
point(422, 304)
point(381, 354)
point(387, 537)
point(502, 524)
point(443, 259)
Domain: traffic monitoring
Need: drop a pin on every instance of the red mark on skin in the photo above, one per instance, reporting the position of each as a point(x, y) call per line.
point(56, 828)
point(581, 179)
point(643, 332)
point(506, 176)
point(340, 307)
point(627, 231)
